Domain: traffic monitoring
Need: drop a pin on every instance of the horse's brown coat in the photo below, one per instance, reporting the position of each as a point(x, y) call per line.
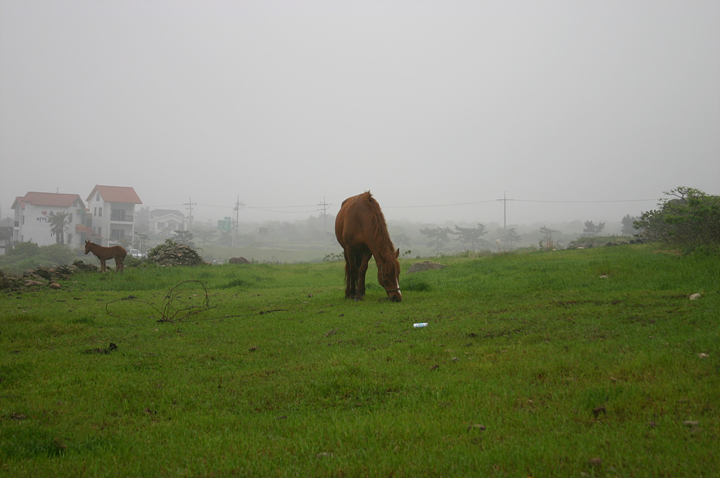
point(361, 230)
point(238, 260)
point(104, 253)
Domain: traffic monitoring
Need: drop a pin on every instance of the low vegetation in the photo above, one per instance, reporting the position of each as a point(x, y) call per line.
point(690, 220)
point(593, 362)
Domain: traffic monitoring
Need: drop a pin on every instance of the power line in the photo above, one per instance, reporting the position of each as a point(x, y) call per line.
point(238, 205)
point(324, 212)
point(189, 205)
point(604, 201)
point(307, 208)
point(504, 200)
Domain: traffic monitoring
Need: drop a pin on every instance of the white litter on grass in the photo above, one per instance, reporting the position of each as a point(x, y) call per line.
point(695, 296)
point(420, 324)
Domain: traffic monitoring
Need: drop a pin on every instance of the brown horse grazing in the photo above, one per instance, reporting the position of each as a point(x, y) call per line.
point(238, 260)
point(361, 231)
point(104, 253)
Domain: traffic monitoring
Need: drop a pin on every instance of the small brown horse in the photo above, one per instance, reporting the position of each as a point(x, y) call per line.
point(361, 231)
point(104, 253)
point(238, 260)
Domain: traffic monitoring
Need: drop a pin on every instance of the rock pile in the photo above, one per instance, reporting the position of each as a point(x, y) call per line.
point(43, 276)
point(173, 254)
point(579, 244)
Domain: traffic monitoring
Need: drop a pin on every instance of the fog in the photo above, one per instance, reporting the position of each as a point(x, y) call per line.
point(570, 110)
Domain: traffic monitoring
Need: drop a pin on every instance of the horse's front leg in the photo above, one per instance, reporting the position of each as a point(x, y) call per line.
point(364, 260)
point(102, 265)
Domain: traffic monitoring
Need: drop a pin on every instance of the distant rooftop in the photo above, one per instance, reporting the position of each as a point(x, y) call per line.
point(116, 194)
point(47, 199)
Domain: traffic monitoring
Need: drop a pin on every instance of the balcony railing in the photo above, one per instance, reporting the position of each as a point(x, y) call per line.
point(120, 216)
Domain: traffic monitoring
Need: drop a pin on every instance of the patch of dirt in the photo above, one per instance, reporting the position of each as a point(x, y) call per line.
point(424, 266)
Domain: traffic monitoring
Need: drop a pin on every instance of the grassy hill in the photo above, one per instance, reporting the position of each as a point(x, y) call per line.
point(590, 361)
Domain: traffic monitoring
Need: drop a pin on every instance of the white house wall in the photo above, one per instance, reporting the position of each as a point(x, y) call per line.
point(111, 220)
point(34, 225)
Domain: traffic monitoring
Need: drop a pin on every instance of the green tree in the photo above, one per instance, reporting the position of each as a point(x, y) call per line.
point(628, 225)
point(472, 236)
point(140, 241)
point(401, 240)
point(184, 237)
point(439, 236)
point(690, 220)
point(205, 235)
point(58, 226)
point(510, 238)
point(225, 239)
point(547, 232)
point(591, 229)
point(27, 249)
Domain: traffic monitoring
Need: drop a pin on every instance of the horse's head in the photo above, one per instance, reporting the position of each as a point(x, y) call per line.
point(389, 277)
point(87, 246)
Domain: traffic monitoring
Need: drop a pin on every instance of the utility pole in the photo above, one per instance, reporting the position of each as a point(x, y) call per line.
point(238, 205)
point(505, 200)
point(189, 205)
point(324, 212)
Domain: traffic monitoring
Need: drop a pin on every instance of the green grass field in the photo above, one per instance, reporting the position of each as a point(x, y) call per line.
point(572, 363)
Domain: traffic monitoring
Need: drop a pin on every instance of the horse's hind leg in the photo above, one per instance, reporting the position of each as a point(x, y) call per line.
point(350, 274)
point(363, 260)
point(119, 266)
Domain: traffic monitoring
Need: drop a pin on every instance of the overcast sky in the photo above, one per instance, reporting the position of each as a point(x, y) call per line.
point(438, 107)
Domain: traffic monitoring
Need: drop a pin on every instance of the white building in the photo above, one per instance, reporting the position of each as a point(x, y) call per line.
point(112, 213)
point(167, 220)
point(32, 218)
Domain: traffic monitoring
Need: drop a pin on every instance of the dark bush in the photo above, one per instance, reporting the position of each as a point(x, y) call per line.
point(689, 221)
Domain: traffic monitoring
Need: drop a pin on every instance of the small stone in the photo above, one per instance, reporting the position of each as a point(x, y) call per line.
point(695, 296)
point(595, 462)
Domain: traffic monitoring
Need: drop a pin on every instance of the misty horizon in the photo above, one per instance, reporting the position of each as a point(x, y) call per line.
point(570, 110)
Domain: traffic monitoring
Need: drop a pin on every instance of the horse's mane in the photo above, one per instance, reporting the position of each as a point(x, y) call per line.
point(381, 234)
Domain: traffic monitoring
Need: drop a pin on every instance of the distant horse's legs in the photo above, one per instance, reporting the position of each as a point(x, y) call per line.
point(102, 265)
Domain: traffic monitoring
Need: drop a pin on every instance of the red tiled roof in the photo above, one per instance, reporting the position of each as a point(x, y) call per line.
point(48, 199)
point(116, 194)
